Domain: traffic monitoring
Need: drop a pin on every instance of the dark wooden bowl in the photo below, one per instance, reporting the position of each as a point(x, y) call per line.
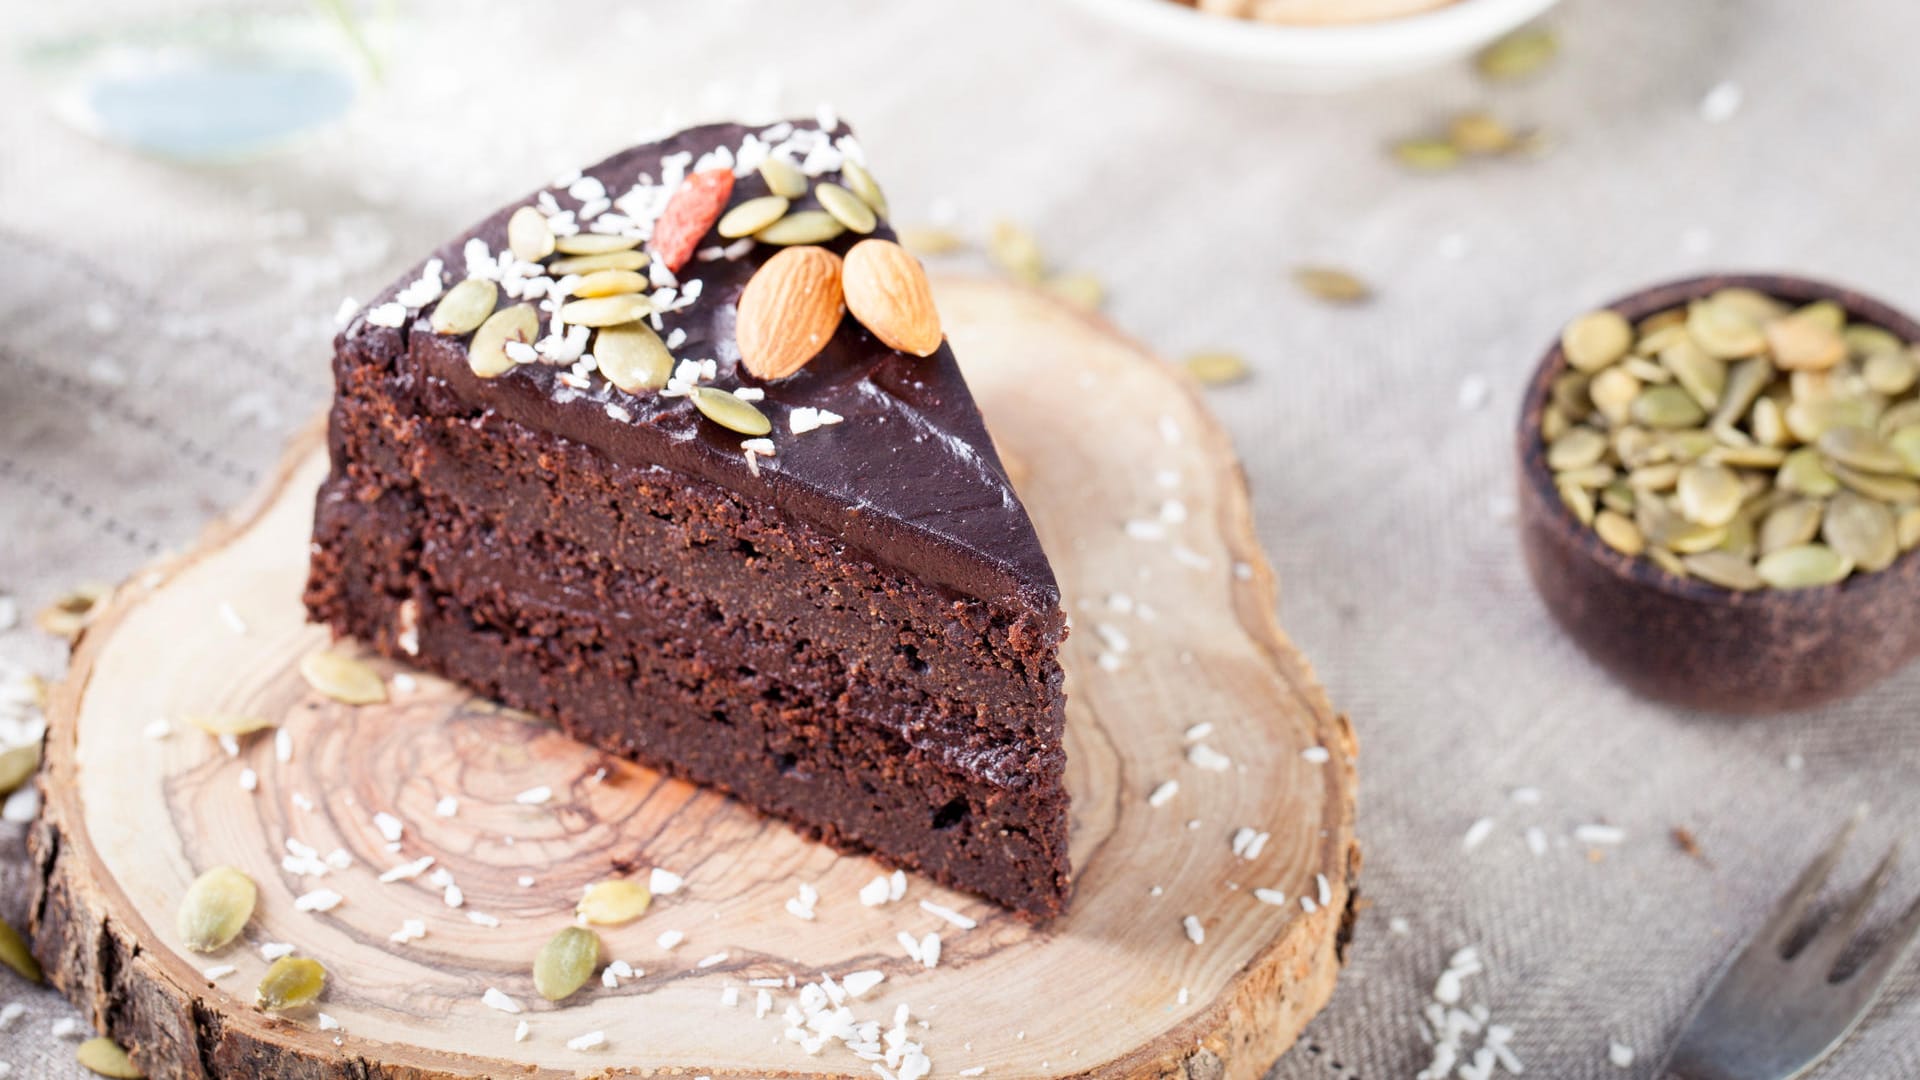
point(1695, 644)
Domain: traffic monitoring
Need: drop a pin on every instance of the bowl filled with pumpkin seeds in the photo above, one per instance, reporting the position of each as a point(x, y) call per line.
point(1720, 490)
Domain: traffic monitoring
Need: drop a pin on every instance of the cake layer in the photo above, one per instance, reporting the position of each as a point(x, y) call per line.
point(814, 754)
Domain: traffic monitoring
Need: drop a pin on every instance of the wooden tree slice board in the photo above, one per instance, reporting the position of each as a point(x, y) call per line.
point(1100, 434)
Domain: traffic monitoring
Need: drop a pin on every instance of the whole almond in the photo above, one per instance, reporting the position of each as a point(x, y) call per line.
point(888, 292)
point(788, 311)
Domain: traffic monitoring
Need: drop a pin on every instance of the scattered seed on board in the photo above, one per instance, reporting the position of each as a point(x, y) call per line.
point(66, 616)
point(464, 307)
point(104, 1057)
point(232, 724)
point(1333, 285)
point(215, 909)
point(1015, 251)
point(1218, 368)
point(1518, 55)
point(1479, 133)
point(730, 412)
point(343, 678)
point(1748, 443)
point(614, 902)
point(566, 962)
point(15, 954)
point(1426, 155)
point(1081, 289)
point(927, 240)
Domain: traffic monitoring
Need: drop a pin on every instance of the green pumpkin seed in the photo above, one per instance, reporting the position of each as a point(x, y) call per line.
point(1572, 392)
point(104, 1057)
point(1862, 530)
point(1755, 305)
point(1647, 371)
point(1890, 372)
point(1553, 423)
point(487, 352)
point(1518, 55)
point(610, 283)
point(1082, 290)
point(1331, 284)
point(465, 307)
point(783, 177)
point(846, 207)
point(292, 981)
point(1805, 473)
point(1723, 330)
point(1741, 388)
point(1709, 494)
point(1802, 343)
point(1426, 155)
point(1701, 375)
point(1591, 477)
point(1725, 569)
point(1667, 407)
point(1613, 392)
point(1658, 323)
point(1596, 340)
point(1479, 133)
point(529, 236)
point(729, 411)
point(1888, 489)
point(588, 264)
point(861, 183)
point(593, 244)
point(1808, 420)
point(1861, 449)
point(601, 311)
point(1636, 447)
point(801, 227)
point(1804, 567)
point(1668, 561)
point(1619, 533)
point(15, 954)
point(1579, 501)
point(1790, 524)
point(233, 724)
point(1825, 314)
point(751, 216)
point(1908, 528)
point(1016, 252)
point(1746, 457)
point(1216, 368)
point(1905, 414)
point(614, 902)
point(1769, 423)
point(17, 766)
point(1866, 341)
point(1689, 445)
point(1576, 449)
point(1689, 537)
point(1906, 443)
point(1654, 478)
point(566, 962)
point(215, 909)
point(1619, 497)
point(342, 678)
point(923, 240)
point(633, 357)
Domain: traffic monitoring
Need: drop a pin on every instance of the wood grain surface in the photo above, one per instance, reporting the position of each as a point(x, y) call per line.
point(1174, 627)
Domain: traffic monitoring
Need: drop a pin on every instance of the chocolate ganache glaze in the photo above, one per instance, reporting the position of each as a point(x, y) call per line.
point(909, 479)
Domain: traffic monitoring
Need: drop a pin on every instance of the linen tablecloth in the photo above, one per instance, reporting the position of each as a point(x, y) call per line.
point(166, 327)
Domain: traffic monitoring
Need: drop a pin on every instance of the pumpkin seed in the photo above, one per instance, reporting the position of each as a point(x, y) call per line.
point(801, 227)
point(1592, 477)
point(1709, 494)
point(566, 962)
point(1752, 303)
point(729, 411)
point(292, 981)
point(602, 311)
point(1651, 478)
point(1725, 569)
point(343, 678)
point(1790, 524)
point(1906, 443)
point(487, 352)
point(925, 240)
point(1769, 423)
point(215, 909)
point(1426, 155)
point(1015, 251)
point(1572, 391)
point(1867, 341)
point(1668, 561)
point(1862, 530)
point(1553, 423)
point(751, 216)
point(633, 357)
point(614, 902)
point(1647, 371)
point(1890, 372)
point(1742, 537)
point(234, 724)
point(1860, 449)
point(1619, 497)
point(1905, 414)
point(1596, 340)
point(1619, 533)
point(1579, 501)
point(1082, 290)
point(1216, 368)
point(465, 307)
point(1636, 447)
point(587, 264)
point(1723, 330)
point(1888, 489)
point(104, 1057)
point(1479, 133)
point(1331, 284)
point(1908, 528)
point(70, 613)
point(861, 183)
point(1697, 373)
point(17, 766)
point(783, 177)
point(1824, 313)
point(1667, 407)
point(1804, 567)
point(1743, 385)
point(15, 954)
point(1661, 322)
point(1689, 537)
point(1578, 448)
point(1518, 55)
point(1746, 457)
point(529, 236)
point(1613, 392)
point(1805, 473)
point(610, 283)
point(594, 244)
point(1801, 342)
point(846, 207)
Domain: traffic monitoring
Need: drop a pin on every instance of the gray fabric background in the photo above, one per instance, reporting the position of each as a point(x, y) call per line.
point(165, 327)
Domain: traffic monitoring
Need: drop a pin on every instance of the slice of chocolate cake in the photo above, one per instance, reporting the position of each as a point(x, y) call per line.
point(799, 575)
